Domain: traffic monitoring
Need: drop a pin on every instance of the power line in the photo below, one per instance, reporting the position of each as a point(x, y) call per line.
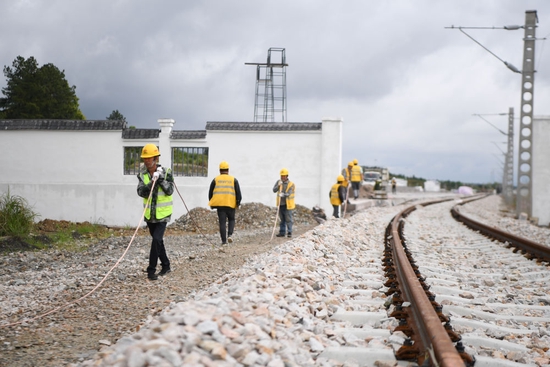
point(510, 28)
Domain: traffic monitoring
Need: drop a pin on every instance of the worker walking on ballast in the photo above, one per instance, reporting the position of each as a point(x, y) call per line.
point(337, 196)
point(159, 209)
point(356, 178)
point(224, 195)
point(346, 173)
point(285, 190)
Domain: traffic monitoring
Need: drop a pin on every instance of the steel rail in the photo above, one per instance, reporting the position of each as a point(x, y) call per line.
point(528, 247)
point(432, 343)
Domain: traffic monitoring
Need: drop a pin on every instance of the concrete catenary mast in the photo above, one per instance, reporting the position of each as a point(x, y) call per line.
point(525, 160)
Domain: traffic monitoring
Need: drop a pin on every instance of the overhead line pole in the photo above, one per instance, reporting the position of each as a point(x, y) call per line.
point(508, 171)
point(524, 203)
point(508, 189)
point(524, 195)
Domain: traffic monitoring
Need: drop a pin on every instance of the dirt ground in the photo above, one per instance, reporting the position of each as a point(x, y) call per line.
point(72, 334)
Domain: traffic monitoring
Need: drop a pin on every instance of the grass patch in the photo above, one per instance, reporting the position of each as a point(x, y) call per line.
point(16, 217)
point(19, 232)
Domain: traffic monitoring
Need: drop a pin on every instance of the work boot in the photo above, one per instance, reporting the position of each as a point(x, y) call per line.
point(280, 235)
point(152, 277)
point(289, 235)
point(229, 239)
point(165, 271)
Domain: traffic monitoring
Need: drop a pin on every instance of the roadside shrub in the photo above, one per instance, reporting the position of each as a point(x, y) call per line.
point(16, 217)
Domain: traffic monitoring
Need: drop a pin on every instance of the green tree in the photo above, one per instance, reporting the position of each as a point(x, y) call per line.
point(117, 116)
point(34, 92)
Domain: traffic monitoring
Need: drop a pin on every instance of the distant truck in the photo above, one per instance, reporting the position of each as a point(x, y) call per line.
point(371, 174)
point(370, 177)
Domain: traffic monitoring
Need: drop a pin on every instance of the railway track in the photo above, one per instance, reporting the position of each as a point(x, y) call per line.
point(530, 248)
point(462, 299)
point(333, 296)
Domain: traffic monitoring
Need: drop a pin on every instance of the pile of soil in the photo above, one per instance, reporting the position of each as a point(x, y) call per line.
point(197, 221)
point(247, 216)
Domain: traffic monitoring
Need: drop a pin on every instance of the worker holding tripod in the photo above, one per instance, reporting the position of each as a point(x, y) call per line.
point(158, 208)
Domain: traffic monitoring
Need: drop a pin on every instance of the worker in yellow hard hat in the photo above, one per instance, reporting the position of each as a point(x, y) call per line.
point(224, 195)
point(285, 190)
point(337, 195)
point(346, 173)
point(158, 208)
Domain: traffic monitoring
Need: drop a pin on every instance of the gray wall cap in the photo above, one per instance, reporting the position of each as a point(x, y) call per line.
point(263, 126)
point(21, 124)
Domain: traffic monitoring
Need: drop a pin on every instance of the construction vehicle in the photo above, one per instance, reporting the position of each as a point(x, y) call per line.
point(372, 174)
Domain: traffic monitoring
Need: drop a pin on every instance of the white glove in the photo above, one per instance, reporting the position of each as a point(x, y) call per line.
point(161, 173)
point(282, 194)
point(280, 183)
point(156, 175)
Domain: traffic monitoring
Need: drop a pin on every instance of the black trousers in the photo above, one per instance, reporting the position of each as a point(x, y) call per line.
point(335, 211)
point(157, 247)
point(226, 220)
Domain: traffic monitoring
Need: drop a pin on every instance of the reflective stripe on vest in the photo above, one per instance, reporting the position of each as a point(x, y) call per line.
point(224, 192)
point(164, 202)
point(355, 174)
point(334, 197)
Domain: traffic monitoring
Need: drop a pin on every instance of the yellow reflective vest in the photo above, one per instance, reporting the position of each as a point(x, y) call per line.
point(334, 195)
point(290, 204)
point(356, 174)
point(164, 205)
point(224, 192)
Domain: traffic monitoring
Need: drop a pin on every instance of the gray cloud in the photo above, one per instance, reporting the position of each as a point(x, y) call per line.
point(405, 86)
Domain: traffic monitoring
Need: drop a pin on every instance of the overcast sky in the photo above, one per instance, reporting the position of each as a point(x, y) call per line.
point(405, 86)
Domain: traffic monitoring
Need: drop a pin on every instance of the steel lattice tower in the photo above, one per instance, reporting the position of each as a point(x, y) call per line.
point(270, 97)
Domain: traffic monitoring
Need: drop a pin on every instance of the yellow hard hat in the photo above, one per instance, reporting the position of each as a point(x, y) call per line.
point(340, 178)
point(355, 161)
point(224, 165)
point(150, 150)
point(284, 172)
point(350, 163)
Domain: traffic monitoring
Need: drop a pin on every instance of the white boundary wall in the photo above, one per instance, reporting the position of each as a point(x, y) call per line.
point(78, 175)
point(541, 170)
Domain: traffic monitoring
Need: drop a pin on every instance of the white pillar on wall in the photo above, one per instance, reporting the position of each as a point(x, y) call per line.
point(331, 156)
point(166, 126)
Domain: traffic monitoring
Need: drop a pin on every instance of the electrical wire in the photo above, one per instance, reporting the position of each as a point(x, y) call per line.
point(539, 58)
point(189, 212)
point(122, 257)
point(485, 48)
point(101, 281)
